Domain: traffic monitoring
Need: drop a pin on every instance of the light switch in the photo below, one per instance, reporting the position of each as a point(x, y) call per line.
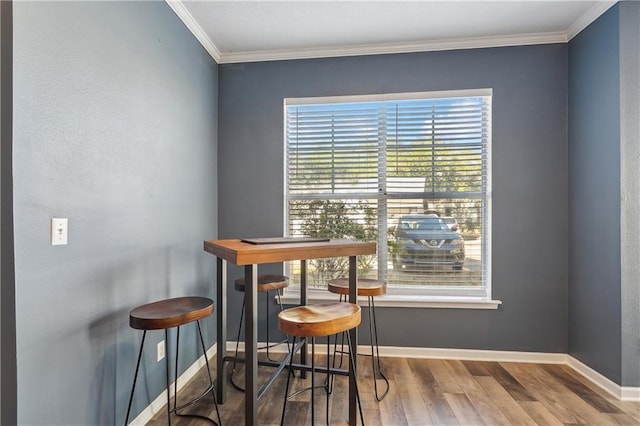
point(59, 227)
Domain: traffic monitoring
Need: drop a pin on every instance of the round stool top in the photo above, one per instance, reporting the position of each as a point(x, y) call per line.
point(169, 313)
point(265, 283)
point(366, 287)
point(319, 320)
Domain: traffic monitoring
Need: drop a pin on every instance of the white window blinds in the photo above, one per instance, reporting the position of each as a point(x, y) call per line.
point(364, 168)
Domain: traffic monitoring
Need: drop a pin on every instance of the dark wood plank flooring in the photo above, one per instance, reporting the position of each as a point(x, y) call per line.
point(433, 392)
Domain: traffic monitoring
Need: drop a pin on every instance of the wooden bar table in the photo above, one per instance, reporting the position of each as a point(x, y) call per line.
point(249, 255)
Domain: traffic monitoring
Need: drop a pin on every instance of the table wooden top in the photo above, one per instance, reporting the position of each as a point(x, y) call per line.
point(242, 253)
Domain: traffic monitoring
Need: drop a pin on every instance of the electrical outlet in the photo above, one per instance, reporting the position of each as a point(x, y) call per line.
point(59, 228)
point(161, 351)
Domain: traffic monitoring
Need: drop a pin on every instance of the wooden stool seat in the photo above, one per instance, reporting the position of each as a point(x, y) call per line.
point(319, 320)
point(265, 283)
point(170, 313)
point(311, 321)
point(366, 287)
point(163, 315)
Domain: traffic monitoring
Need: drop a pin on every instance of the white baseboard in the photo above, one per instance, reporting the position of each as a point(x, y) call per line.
point(159, 403)
point(438, 353)
point(474, 355)
point(630, 393)
point(623, 393)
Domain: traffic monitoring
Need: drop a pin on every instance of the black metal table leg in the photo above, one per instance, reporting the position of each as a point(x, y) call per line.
point(353, 336)
point(251, 344)
point(221, 326)
point(304, 300)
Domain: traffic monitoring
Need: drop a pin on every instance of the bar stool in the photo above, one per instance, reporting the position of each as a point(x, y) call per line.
point(266, 283)
point(368, 288)
point(163, 315)
point(316, 321)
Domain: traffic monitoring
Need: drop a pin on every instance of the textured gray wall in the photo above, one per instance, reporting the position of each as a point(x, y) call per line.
point(115, 128)
point(630, 189)
point(529, 178)
point(594, 197)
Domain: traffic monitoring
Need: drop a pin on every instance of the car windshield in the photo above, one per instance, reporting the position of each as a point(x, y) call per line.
point(424, 224)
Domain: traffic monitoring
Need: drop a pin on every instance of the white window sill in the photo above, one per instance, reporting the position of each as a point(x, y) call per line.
point(292, 297)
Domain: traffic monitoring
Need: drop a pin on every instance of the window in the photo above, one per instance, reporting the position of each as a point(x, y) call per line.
point(409, 171)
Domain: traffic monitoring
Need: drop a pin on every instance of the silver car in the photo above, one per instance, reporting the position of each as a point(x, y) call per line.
point(426, 240)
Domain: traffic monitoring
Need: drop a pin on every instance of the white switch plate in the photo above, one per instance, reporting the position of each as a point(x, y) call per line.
point(59, 227)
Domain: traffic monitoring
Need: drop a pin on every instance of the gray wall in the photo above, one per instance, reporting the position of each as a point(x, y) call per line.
point(529, 178)
point(630, 189)
point(115, 128)
point(594, 196)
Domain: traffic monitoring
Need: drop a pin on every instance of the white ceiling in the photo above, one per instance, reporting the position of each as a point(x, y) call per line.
point(245, 31)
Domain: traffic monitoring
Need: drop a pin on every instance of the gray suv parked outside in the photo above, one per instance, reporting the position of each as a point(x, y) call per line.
point(425, 239)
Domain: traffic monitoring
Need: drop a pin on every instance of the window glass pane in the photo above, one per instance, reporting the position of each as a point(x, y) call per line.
point(410, 174)
point(335, 219)
point(333, 148)
point(435, 242)
point(436, 143)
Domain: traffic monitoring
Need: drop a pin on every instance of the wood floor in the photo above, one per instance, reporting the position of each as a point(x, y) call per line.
point(434, 392)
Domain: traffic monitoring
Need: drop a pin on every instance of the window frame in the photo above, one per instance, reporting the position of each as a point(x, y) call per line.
point(398, 295)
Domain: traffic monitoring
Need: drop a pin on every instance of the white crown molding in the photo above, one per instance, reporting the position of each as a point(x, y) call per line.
point(390, 48)
point(589, 16)
point(185, 16)
point(387, 48)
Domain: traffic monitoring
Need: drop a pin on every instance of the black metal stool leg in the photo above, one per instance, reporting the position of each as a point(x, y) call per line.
point(269, 345)
point(313, 382)
point(206, 360)
point(375, 359)
point(328, 376)
point(331, 379)
point(333, 361)
point(313, 386)
point(210, 389)
point(353, 367)
point(166, 363)
point(286, 390)
point(233, 367)
point(175, 382)
point(135, 377)
point(282, 309)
